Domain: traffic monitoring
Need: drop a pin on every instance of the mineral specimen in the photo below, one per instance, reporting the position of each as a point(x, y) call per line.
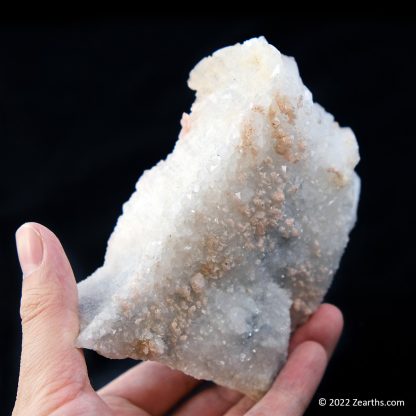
point(232, 241)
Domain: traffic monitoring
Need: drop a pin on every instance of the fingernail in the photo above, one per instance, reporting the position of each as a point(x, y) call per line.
point(29, 249)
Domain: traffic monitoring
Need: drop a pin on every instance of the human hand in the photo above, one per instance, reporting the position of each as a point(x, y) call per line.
point(53, 375)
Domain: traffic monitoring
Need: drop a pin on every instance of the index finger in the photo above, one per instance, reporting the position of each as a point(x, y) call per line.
point(324, 327)
point(296, 384)
point(310, 348)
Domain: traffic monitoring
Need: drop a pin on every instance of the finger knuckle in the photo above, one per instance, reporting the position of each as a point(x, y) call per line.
point(36, 303)
point(260, 412)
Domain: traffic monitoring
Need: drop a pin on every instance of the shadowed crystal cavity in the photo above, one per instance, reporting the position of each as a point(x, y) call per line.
point(232, 241)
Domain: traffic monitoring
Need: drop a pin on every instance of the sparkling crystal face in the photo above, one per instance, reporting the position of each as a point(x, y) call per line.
point(232, 241)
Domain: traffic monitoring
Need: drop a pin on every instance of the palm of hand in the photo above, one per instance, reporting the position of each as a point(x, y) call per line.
point(54, 380)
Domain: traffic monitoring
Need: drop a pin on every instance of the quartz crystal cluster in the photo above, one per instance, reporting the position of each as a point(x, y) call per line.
point(232, 241)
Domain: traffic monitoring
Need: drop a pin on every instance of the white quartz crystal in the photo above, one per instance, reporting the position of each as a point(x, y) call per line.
point(232, 241)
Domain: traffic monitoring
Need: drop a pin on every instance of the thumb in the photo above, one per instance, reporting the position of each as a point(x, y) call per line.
point(51, 366)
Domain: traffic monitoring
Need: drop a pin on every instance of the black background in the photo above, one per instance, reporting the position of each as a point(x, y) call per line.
point(87, 105)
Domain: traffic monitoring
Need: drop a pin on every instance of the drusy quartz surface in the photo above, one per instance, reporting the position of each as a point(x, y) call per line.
point(232, 241)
